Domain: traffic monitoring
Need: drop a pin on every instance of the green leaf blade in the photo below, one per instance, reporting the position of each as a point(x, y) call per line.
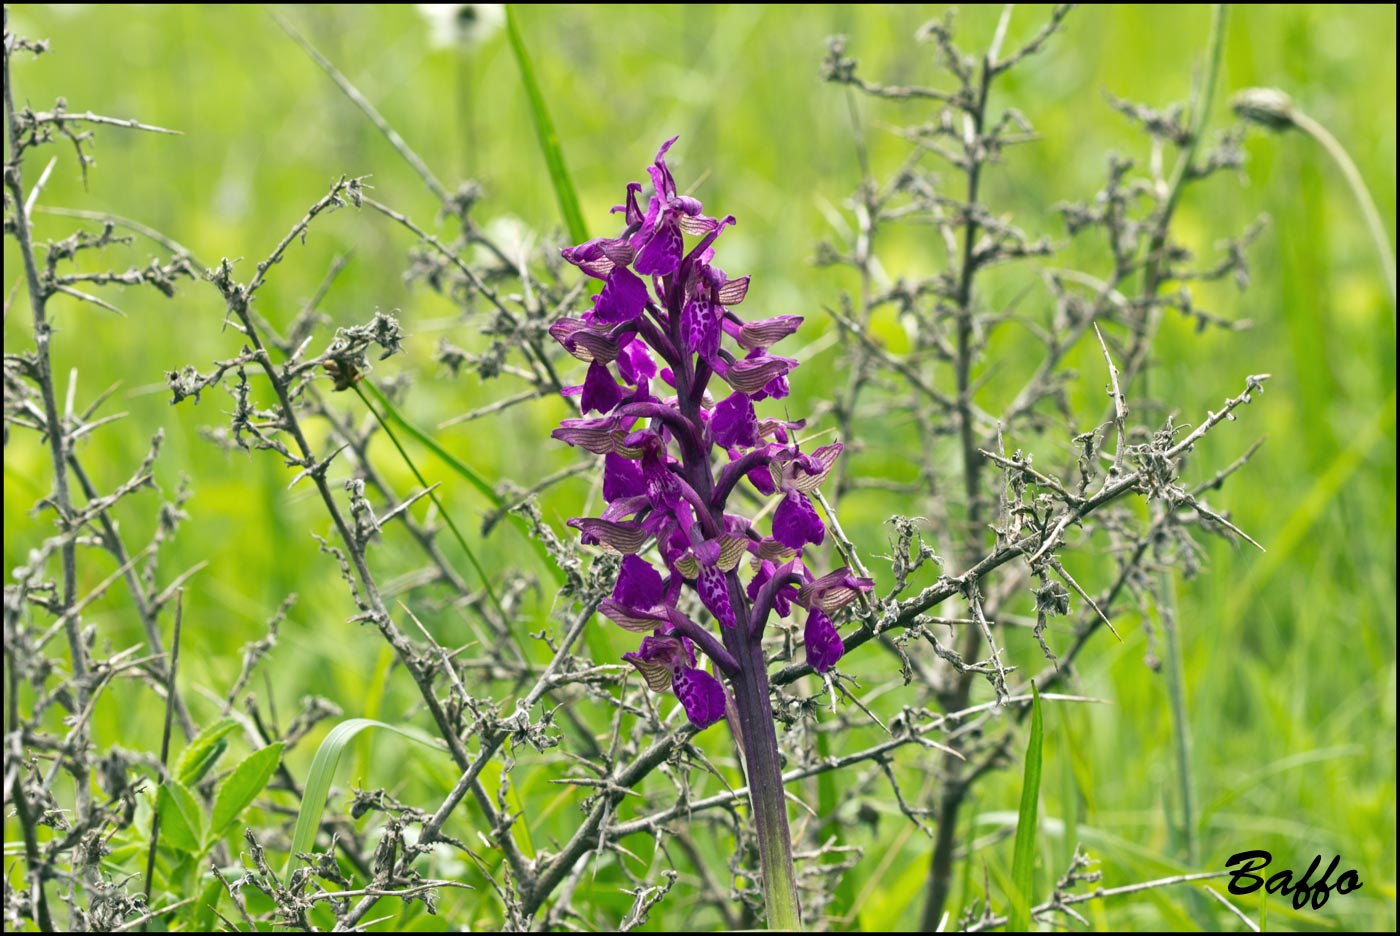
point(181, 822)
point(318, 780)
point(549, 139)
point(239, 789)
point(204, 751)
point(472, 477)
point(1023, 858)
point(208, 905)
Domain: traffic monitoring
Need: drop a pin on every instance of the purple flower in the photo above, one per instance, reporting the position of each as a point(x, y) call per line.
point(806, 472)
point(755, 373)
point(668, 662)
point(659, 241)
point(638, 584)
point(700, 328)
point(763, 333)
point(623, 297)
point(734, 422)
point(821, 641)
point(599, 435)
point(622, 478)
point(714, 594)
point(783, 598)
point(663, 318)
point(583, 341)
point(600, 391)
point(701, 694)
point(624, 293)
point(795, 522)
point(599, 256)
point(635, 363)
point(620, 538)
point(833, 591)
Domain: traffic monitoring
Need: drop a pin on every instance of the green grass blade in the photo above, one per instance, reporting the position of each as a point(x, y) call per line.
point(1023, 858)
point(467, 473)
point(372, 704)
point(549, 140)
point(452, 524)
point(318, 781)
point(238, 790)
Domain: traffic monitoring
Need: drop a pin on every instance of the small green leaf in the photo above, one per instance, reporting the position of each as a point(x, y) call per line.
point(1023, 858)
point(549, 139)
point(181, 823)
point(246, 782)
point(202, 753)
point(126, 853)
point(202, 917)
point(318, 780)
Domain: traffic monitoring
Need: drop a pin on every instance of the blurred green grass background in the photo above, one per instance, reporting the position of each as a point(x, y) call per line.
point(1289, 656)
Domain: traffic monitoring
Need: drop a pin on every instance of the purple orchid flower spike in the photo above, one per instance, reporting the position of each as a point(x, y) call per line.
point(674, 454)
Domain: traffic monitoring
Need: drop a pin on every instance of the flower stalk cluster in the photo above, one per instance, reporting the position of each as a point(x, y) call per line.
point(674, 453)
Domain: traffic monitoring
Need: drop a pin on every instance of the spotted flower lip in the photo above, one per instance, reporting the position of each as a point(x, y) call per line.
point(660, 329)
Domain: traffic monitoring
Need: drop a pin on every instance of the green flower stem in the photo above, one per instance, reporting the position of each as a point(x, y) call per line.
point(1215, 50)
point(1166, 585)
point(1358, 189)
point(760, 745)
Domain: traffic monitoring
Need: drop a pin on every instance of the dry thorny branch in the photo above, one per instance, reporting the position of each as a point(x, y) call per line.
point(1009, 507)
point(513, 694)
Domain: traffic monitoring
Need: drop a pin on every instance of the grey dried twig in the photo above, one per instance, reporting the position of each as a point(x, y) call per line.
point(1036, 513)
point(39, 606)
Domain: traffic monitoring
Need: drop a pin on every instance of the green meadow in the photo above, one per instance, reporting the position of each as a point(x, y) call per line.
point(1288, 656)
